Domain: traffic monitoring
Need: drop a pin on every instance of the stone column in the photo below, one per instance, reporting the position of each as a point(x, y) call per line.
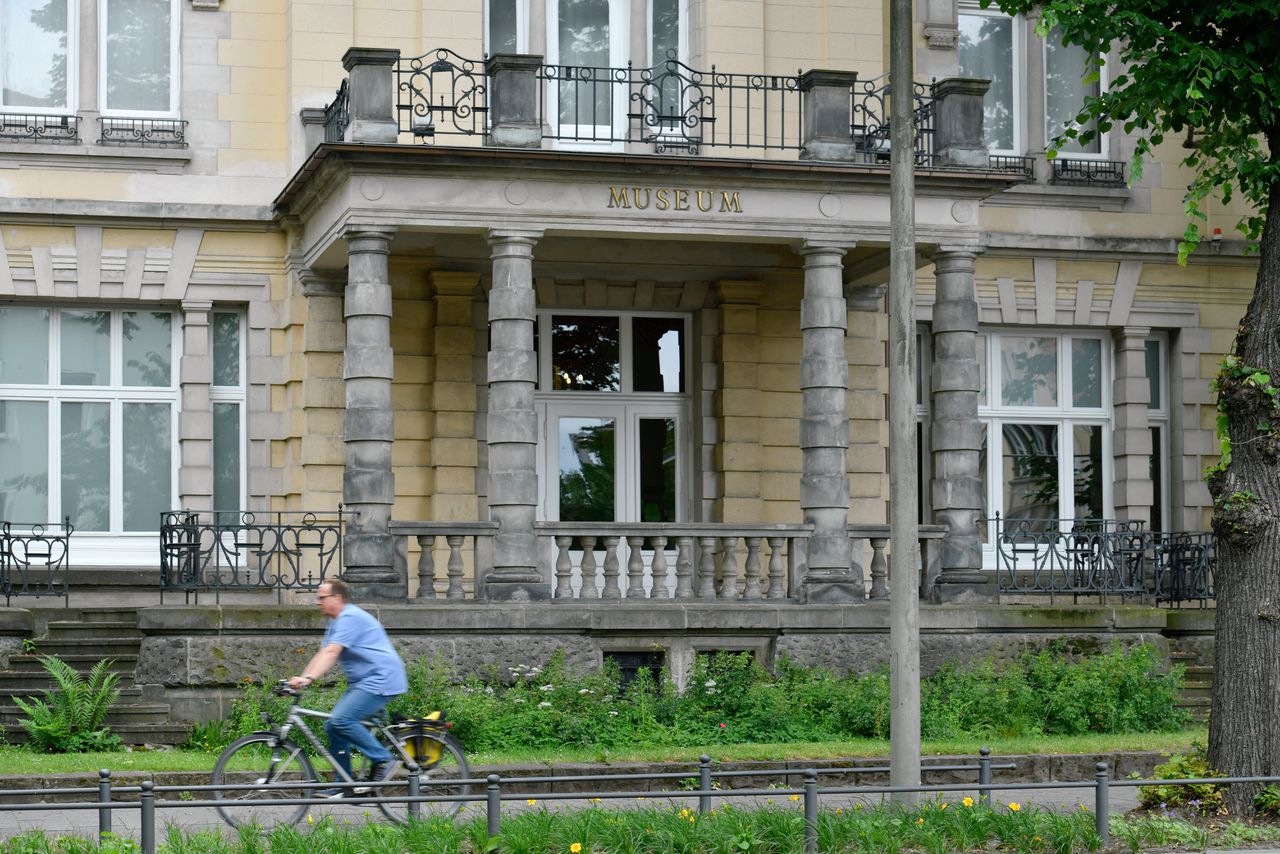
point(957, 128)
point(828, 117)
point(1131, 434)
point(195, 424)
point(368, 485)
point(512, 425)
point(824, 427)
point(372, 94)
point(513, 101)
point(954, 431)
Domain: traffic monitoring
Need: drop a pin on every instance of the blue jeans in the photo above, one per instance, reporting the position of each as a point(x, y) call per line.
point(345, 729)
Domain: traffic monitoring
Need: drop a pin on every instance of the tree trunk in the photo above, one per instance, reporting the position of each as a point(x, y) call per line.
point(1244, 728)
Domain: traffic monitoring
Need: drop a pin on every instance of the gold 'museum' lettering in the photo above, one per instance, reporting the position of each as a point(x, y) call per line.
point(674, 198)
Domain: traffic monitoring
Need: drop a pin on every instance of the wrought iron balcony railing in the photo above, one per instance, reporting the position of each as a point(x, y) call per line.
point(1092, 173)
point(337, 115)
point(36, 128)
point(1025, 166)
point(35, 558)
point(158, 133)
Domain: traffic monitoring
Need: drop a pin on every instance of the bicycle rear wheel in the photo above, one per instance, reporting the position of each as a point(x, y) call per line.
point(439, 780)
point(259, 768)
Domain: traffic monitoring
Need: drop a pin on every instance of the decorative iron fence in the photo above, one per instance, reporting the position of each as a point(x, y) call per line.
point(248, 551)
point(156, 133)
point(1094, 173)
point(441, 93)
point(37, 128)
point(1024, 166)
point(870, 126)
point(1102, 557)
point(35, 558)
point(337, 114)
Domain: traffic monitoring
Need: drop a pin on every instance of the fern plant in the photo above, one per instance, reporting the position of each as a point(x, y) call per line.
point(70, 717)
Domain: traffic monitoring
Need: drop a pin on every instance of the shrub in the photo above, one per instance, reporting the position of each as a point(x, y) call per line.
point(1267, 801)
point(1201, 798)
point(70, 717)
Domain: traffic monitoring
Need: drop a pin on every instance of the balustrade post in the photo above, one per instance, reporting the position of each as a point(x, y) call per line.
point(589, 590)
point(635, 567)
point(827, 98)
point(455, 566)
point(706, 568)
point(879, 569)
point(372, 98)
point(564, 568)
point(777, 569)
point(729, 568)
point(611, 588)
point(684, 568)
point(426, 567)
point(658, 571)
point(513, 100)
point(957, 122)
point(752, 588)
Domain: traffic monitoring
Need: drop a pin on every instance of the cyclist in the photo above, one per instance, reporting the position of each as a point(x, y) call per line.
point(355, 639)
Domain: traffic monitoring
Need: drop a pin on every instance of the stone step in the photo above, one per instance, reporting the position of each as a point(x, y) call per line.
point(28, 663)
point(127, 695)
point(92, 631)
point(139, 713)
point(108, 647)
point(130, 733)
point(1200, 670)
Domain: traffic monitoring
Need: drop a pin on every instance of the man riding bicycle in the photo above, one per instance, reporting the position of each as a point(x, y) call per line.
point(355, 639)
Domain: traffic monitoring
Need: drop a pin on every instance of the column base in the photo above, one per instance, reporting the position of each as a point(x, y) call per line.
point(832, 591)
point(517, 591)
point(966, 587)
point(392, 591)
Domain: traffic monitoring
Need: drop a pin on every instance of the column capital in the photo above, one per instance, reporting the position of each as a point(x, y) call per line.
point(452, 283)
point(316, 284)
point(196, 306)
point(809, 247)
point(1132, 337)
point(514, 236)
point(355, 231)
point(958, 250)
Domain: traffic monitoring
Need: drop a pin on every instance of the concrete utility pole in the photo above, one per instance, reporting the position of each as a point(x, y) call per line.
point(904, 526)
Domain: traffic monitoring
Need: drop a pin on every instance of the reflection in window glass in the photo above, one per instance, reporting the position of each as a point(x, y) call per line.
point(1065, 88)
point(1087, 465)
point(985, 477)
point(584, 353)
point(148, 464)
point(24, 345)
point(657, 345)
point(148, 348)
point(226, 349)
point(657, 470)
point(226, 457)
point(86, 465)
point(982, 369)
point(34, 42)
point(1153, 374)
point(584, 41)
point(1031, 473)
point(1157, 478)
point(24, 461)
point(86, 347)
point(137, 60)
point(1028, 370)
point(986, 52)
point(502, 26)
point(1086, 372)
point(587, 455)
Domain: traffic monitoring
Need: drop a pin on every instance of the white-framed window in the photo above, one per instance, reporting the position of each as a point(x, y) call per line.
point(584, 39)
point(39, 54)
point(1070, 77)
point(668, 31)
point(991, 46)
point(1158, 410)
point(91, 402)
point(614, 407)
point(506, 26)
point(924, 451)
point(227, 397)
point(138, 57)
point(1046, 412)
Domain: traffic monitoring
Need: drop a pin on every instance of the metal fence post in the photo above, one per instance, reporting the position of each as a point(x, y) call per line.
point(104, 797)
point(494, 804)
point(984, 775)
point(810, 812)
point(704, 783)
point(148, 810)
point(415, 790)
point(1102, 805)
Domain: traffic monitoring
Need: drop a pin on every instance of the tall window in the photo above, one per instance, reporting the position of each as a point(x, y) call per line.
point(138, 73)
point(990, 47)
point(88, 402)
point(38, 56)
point(1158, 422)
point(227, 394)
point(1069, 77)
point(505, 26)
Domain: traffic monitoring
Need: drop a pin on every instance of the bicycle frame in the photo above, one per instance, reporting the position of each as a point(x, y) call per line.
point(296, 719)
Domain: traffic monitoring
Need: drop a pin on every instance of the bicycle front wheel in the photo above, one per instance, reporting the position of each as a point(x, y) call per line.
point(440, 780)
point(260, 768)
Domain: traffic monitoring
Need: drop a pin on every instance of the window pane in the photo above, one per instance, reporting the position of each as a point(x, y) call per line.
point(502, 26)
point(226, 349)
point(24, 345)
point(657, 348)
point(148, 464)
point(666, 30)
point(33, 54)
point(986, 51)
point(1029, 371)
point(1030, 473)
point(1157, 478)
point(1065, 69)
point(983, 475)
point(587, 469)
point(137, 63)
point(1087, 465)
point(584, 41)
point(657, 470)
point(148, 348)
point(982, 370)
point(226, 456)
point(1153, 374)
point(1086, 372)
point(24, 461)
point(584, 353)
point(86, 348)
point(86, 465)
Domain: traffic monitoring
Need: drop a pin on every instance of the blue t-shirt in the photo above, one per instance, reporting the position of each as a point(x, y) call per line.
point(368, 659)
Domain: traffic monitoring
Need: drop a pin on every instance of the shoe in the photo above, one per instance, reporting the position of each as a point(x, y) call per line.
point(330, 793)
point(380, 771)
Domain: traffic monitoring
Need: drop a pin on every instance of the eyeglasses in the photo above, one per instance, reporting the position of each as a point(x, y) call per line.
point(320, 597)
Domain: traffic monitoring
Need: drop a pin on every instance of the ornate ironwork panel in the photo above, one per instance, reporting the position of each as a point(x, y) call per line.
point(1185, 564)
point(1092, 557)
point(33, 128)
point(869, 108)
point(337, 114)
point(157, 133)
point(34, 559)
point(1096, 173)
point(1025, 166)
point(441, 93)
point(273, 550)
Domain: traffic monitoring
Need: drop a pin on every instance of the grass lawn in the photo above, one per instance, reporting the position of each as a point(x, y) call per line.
point(19, 761)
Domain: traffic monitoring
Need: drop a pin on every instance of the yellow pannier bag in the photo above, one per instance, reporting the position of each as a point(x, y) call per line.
point(422, 738)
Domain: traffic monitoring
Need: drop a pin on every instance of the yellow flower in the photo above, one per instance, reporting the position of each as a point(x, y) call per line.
point(692, 819)
point(531, 801)
point(839, 810)
point(1014, 807)
point(311, 819)
point(967, 801)
point(1035, 839)
point(594, 800)
point(943, 805)
point(919, 821)
point(684, 813)
point(575, 848)
point(795, 798)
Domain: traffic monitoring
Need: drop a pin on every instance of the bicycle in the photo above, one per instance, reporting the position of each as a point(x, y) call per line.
point(275, 767)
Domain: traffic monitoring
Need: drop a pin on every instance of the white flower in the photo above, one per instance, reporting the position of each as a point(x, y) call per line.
point(544, 705)
point(488, 689)
point(710, 683)
point(547, 688)
point(519, 700)
point(584, 690)
point(613, 713)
